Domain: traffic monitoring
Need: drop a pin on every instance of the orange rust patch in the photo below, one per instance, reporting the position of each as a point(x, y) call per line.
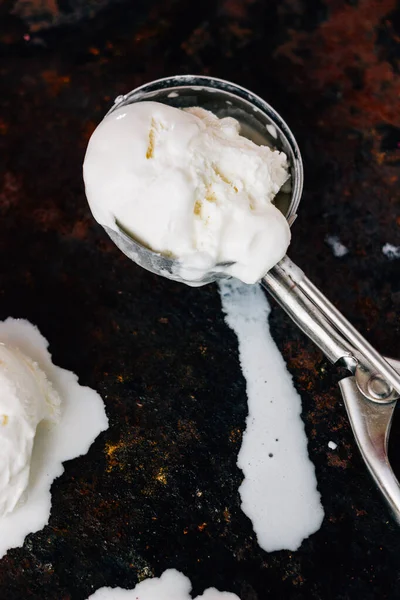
point(355, 51)
point(188, 430)
point(202, 526)
point(235, 435)
point(298, 580)
point(48, 218)
point(28, 11)
point(80, 229)
point(367, 307)
point(199, 39)
point(87, 130)
point(243, 34)
point(111, 450)
point(3, 127)
point(335, 461)
point(236, 9)
point(10, 190)
point(54, 81)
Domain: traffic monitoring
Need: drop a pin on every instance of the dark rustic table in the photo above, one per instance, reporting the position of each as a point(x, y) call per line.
point(160, 353)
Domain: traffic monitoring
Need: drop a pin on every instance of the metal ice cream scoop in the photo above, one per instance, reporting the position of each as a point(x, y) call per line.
point(373, 387)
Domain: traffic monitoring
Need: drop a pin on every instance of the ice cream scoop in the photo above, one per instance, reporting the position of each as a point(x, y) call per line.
point(373, 386)
point(26, 398)
point(187, 185)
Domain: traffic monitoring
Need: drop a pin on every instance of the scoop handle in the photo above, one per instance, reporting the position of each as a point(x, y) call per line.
point(331, 331)
point(370, 394)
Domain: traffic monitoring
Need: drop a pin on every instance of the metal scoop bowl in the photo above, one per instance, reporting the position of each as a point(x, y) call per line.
point(371, 390)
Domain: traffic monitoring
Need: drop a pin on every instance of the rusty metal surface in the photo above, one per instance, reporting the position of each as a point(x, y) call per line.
point(159, 488)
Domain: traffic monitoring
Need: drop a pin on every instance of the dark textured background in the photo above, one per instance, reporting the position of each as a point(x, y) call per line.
point(159, 488)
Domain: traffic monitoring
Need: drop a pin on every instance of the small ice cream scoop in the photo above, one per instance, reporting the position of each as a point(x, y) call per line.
point(188, 186)
point(373, 385)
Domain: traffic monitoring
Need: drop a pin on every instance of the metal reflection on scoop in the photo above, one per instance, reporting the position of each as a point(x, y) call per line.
point(371, 392)
point(158, 263)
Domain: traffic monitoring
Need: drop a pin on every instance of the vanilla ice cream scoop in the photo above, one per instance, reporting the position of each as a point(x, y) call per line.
point(187, 185)
point(26, 398)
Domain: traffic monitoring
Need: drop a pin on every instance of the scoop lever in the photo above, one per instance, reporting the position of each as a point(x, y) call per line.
point(371, 423)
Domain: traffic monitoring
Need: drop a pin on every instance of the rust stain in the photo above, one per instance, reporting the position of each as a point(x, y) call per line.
point(300, 358)
point(88, 128)
point(29, 11)
point(236, 9)
point(111, 450)
point(161, 476)
point(10, 191)
point(146, 33)
point(243, 34)
point(188, 430)
point(235, 436)
point(367, 307)
point(304, 361)
point(335, 461)
point(3, 127)
point(202, 526)
point(5, 420)
point(198, 40)
point(80, 229)
point(299, 580)
point(388, 158)
point(55, 82)
point(48, 218)
point(354, 47)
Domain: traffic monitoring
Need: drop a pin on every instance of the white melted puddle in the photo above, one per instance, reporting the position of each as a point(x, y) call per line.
point(82, 419)
point(279, 491)
point(172, 585)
